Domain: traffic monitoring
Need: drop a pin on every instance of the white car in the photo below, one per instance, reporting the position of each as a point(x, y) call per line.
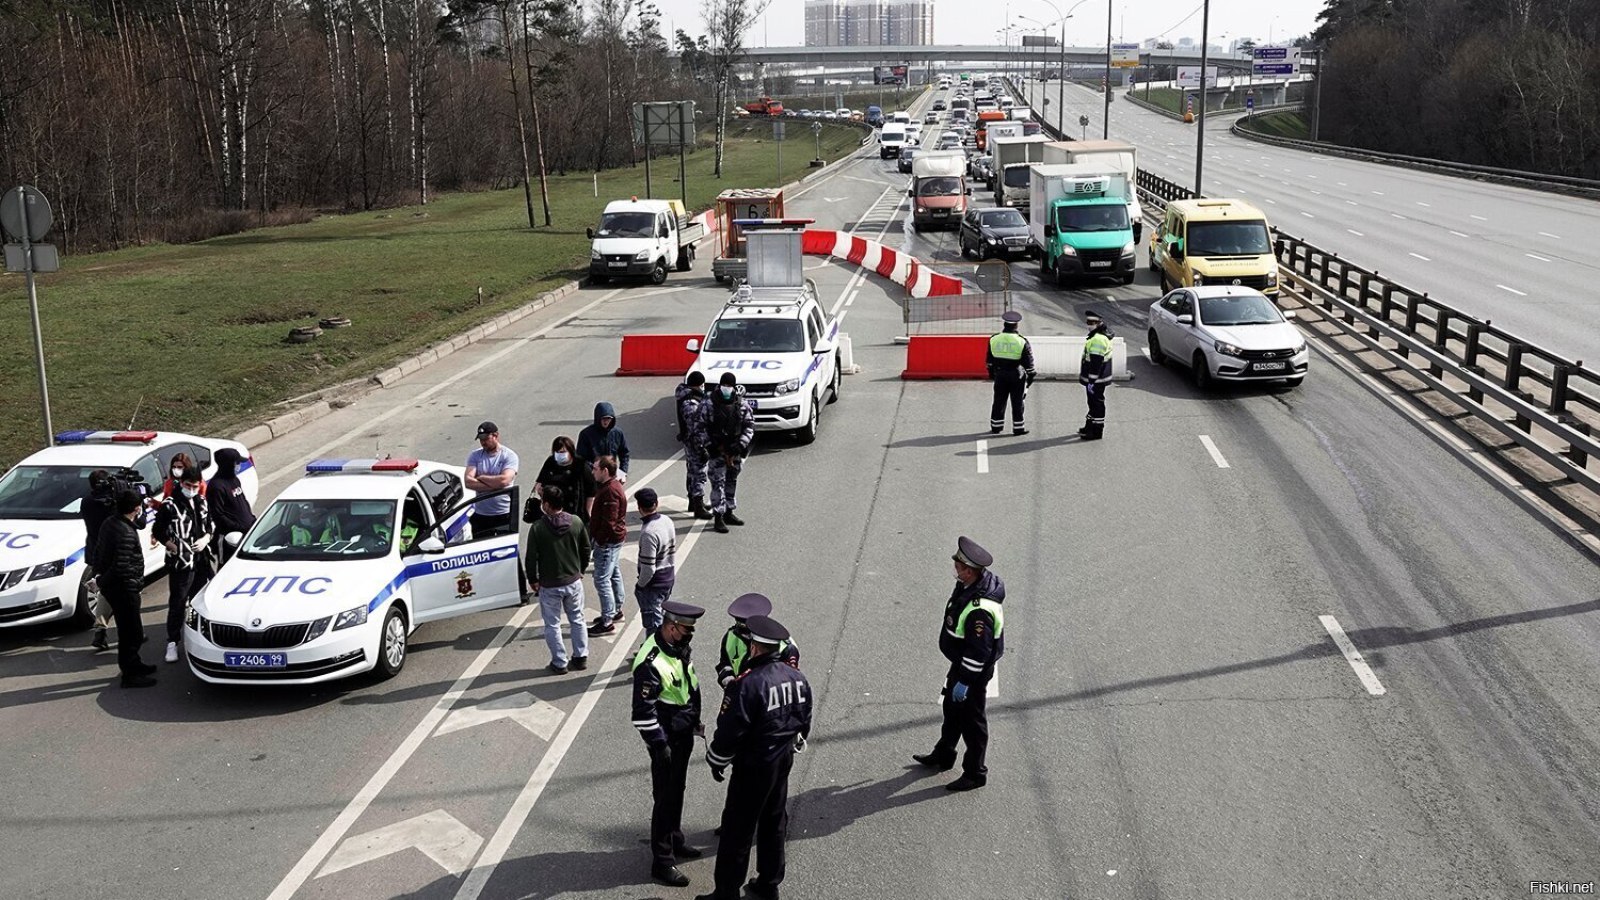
point(784, 351)
point(42, 568)
point(1227, 333)
point(341, 568)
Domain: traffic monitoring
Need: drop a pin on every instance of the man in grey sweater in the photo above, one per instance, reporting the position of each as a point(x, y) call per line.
point(658, 547)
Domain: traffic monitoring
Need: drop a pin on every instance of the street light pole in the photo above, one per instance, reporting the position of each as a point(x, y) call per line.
point(1200, 134)
point(1105, 131)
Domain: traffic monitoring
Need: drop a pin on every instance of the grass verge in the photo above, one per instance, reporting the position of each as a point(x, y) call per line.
point(192, 336)
point(888, 99)
point(1279, 124)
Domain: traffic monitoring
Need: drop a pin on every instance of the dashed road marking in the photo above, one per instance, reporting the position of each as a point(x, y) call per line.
point(983, 457)
point(1420, 203)
point(1216, 455)
point(1460, 235)
point(1549, 235)
point(1478, 217)
point(1380, 193)
point(1421, 257)
point(1306, 214)
point(1369, 678)
point(1398, 216)
point(1536, 256)
point(1511, 289)
point(440, 836)
point(1355, 232)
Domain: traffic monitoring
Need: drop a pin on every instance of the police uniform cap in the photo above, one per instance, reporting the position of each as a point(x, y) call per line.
point(1091, 316)
point(747, 605)
point(1011, 316)
point(765, 630)
point(969, 553)
point(681, 613)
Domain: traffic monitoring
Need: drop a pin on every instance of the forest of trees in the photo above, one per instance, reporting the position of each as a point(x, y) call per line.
point(175, 120)
point(1508, 83)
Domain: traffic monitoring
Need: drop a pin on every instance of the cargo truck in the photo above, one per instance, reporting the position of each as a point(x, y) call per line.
point(1012, 156)
point(938, 190)
point(1079, 223)
point(642, 238)
point(1111, 155)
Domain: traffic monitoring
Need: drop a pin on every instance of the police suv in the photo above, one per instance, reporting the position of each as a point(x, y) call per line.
point(783, 349)
point(42, 568)
point(341, 568)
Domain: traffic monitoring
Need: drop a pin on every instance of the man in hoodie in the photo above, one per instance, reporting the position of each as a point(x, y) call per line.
point(230, 509)
point(558, 554)
point(729, 427)
point(119, 554)
point(658, 550)
point(973, 640)
point(96, 508)
point(609, 519)
point(183, 525)
point(1094, 373)
point(604, 438)
point(691, 395)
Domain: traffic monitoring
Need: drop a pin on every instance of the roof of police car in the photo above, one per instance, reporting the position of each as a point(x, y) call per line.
point(112, 454)
point(361, 485)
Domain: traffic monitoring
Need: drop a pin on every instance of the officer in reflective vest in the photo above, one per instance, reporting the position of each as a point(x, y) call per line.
point(736, 642)
point(973, 640)
point(1010, 363)
point(1094, 373)
point(666, 710)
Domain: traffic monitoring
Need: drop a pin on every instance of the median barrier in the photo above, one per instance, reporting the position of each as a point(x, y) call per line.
point(901, 268)
point(655, 354)
point(946, 356)
point(1060, 357)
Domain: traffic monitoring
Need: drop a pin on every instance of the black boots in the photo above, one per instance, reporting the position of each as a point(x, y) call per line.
point(732, 519)
point(697, 508)
point(935, 761)
point(1092, 431)
point(717, 523)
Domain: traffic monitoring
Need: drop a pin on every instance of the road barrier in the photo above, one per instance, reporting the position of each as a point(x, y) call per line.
point(901, 268)
point(946, 356)
point(655, 354)
point(1058, 358)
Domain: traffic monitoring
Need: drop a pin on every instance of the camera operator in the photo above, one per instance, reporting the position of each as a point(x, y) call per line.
point(99, 505)
point(183, 525)
point(120, 576)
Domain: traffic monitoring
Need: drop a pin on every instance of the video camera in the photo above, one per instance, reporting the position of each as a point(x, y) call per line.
point(126, 480)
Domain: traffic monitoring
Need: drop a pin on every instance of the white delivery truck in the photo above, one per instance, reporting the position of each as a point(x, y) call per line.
point(1012, 157)
point(1079, 224)
point(1111, 155)
point(1008, 129)
point(642, 238)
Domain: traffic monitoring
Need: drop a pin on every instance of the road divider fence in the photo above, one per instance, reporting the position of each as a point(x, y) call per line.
point(901, 268)
point(957, 357)
point(655, 354)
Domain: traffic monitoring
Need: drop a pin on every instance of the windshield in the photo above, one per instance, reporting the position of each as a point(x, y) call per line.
point(1105, 217)
point(1003, 218)
point(940, 186)
point(43, 492)
point(756, 336)
point(322, 529)
point(1228, 239)
point(1017, 176)
point(627, 224)
point(1243, 309)
point(893, 134)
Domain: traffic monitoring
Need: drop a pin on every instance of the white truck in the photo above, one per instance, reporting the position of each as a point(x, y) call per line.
point(938, 190)
point(642, 238)
point(1012, 157)
point(1112, 155)
point(892, 138)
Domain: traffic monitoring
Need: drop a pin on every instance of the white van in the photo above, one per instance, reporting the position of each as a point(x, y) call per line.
point(891, 139)
point(903, 117)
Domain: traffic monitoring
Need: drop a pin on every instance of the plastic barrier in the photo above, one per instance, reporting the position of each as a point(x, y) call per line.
point(655, 354)
point(901, 268)
point(1060, 357)
point(938, 356)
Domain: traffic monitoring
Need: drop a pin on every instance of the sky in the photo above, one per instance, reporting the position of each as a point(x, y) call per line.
point(975, 21)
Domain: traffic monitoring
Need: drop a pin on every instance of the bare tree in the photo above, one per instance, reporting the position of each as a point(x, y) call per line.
point(726, 22)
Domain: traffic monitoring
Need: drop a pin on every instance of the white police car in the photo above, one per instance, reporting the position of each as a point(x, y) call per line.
point(784, 351)
point(341, 568)
point(42, 569)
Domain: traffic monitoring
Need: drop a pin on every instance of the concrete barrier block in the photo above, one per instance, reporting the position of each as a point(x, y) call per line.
point(289, 421)
point(1059, 357)
point(251, 437)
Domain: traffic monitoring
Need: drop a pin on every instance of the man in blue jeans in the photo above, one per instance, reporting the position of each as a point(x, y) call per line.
point(658, 547)
point(608, 524)
point(558, 554)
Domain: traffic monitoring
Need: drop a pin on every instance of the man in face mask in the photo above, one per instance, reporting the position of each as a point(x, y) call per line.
point(690, 396)
point(666, 711)
point(183, 525)
point(729, 427)
point(604, 438)
point(96, 508)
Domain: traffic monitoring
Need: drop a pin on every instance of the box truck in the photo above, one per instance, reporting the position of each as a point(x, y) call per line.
point(1078, 223)
point(1012, 156)
point(1114, 155)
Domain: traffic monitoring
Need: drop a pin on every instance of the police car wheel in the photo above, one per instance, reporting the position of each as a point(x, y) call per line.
point(83, 613)
point(808, 432)
point(838, 379)
point(392, 643)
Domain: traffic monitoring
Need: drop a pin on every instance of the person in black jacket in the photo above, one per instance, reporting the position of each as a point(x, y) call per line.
point(183, 525)
point(666, 712)
point(230, 509)
point(973, 640)
point(564, 468)
point(765, 721)
point(120, 577)
point(99, 505)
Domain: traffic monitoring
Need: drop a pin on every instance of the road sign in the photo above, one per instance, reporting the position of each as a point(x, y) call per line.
point(1275, 60)
point(1124, 56)
point(1189, 76)
point(777, 129)
point(40, 217)
point(45, 258)
point(664, 124)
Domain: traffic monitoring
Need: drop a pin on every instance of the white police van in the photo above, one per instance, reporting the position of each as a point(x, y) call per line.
point(341, 568)
point(42, 567)
point(782, 348)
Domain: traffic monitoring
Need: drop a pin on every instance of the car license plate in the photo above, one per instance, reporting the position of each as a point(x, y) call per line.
point(752, 404)
point(616, 265)
point(1270, 366)
point(1100, 264)
point(255, 660)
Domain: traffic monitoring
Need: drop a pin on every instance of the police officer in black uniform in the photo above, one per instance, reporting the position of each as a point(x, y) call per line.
point(736, 641)
point(666, 710)
point(1010, 364)
point(1094, 373)
point(972, 639)
point(765, 721)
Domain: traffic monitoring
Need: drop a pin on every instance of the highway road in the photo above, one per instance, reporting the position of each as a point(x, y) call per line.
point(1174, 717)
point(1502, 253)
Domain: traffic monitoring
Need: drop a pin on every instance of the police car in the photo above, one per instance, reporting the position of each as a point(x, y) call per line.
point(341, 568)
point(783, 349)
point(42, 568)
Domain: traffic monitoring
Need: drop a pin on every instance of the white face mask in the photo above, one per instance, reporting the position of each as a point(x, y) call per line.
point(191, 493)
point(727, 392)
point(562, 457)
point(177, 471)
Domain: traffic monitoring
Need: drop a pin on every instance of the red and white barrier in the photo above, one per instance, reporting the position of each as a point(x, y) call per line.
point(655, 354)
point(901, 268)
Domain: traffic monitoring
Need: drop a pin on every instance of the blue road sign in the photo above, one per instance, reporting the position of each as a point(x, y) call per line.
point(1274, 68)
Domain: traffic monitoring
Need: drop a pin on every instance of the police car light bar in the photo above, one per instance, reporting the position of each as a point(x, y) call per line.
point(357, 466)
point(105, 437)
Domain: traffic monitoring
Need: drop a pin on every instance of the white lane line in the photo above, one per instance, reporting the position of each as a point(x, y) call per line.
point(1398, 216)
point(1460, 235)
point(1318, 193)
point(1380, 193)
point(1478, 217)
point(1429, 205)
point(853, 294)
point(1369, 678)
point(1355, 232)
point(1421, 257)
point(855, 279)
point(983, 457)
point(1352, 203)
point(1535, 256)
point(1216, 455)
point(1272, 201)
point(494, 852)
point(1312, 177)
point(1342, 184)
point(1306, 214)
point(1511, 289)
point(1549, 235)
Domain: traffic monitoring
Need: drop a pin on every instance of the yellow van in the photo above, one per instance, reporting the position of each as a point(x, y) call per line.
point(1208, 241)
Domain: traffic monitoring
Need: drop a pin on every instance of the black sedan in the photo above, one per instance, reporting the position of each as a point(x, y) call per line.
point(906, 155)
point(993, 232)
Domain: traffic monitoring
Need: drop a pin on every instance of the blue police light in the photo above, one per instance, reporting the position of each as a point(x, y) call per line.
point(353, 466)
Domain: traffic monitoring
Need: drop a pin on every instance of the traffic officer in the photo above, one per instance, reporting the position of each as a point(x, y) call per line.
point(973, 640)
point(1010, 364)
point(736, 642)
point(765, 721)
point(1094, 373)
point(666, 710)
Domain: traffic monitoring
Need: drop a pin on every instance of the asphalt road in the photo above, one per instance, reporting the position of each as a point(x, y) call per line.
point(1502, 253)
point(1173, 717)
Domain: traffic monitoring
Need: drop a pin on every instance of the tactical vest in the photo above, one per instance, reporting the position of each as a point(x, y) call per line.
point(678, 680)
point(1097, 345)
point(738, 650)
point(1007, 345)
point(995, 611)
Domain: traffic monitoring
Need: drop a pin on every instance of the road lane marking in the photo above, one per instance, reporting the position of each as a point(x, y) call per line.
point(1355, 232)
point(1421, 257)
point(1272, 201)
point(1549, 235)
point(1479, 218)
point(1369, 679)
point(439, 835)
point(1511, 289)
point(983, 457)
point(1398, 216)
point(1352, 203)
point(1306, 214)
point(540, 718)
point(1380, 193)
point(1216, 455)
point(1420, 203)
point(1460, 235)
point(1342, 184)
point(1318, 193)
point(1535, 256)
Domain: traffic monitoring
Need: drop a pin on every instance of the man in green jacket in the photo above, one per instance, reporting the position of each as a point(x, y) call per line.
point(558, 554)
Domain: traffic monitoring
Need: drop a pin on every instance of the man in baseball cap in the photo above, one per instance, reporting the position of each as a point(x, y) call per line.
point(491, 467)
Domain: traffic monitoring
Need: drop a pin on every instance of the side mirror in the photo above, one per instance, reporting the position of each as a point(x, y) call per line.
point(233, 538)
point(1176, 251)
point(1289, 315)
point(430, 544)
point(911, 192)
point(969, 190)
point(1049, 230)
point(590, 232)
point(824, 346)
point(693, 346)
point(1186, 319)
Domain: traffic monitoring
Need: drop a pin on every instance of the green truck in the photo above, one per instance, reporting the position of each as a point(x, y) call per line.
point(1078, 223)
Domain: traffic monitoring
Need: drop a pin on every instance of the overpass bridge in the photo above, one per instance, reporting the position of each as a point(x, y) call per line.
point(924, 57)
